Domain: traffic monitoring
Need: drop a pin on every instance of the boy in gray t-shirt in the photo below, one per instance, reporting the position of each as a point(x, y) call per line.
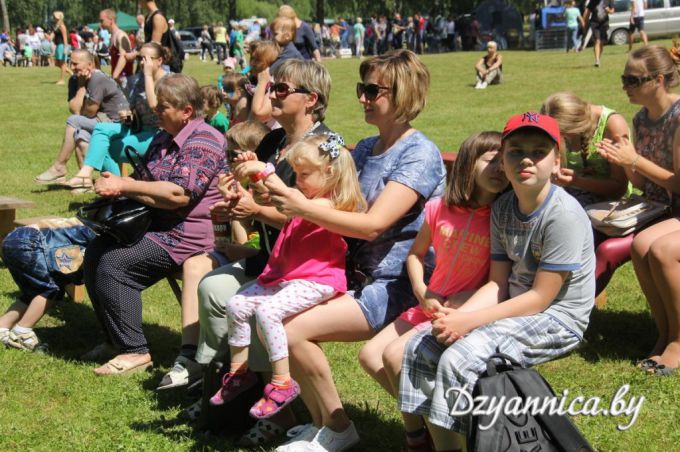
point(541, 286)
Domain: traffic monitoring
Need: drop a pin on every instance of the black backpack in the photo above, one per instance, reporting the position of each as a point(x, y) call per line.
point(232, 417)
point(169, 40)
point(504, 377)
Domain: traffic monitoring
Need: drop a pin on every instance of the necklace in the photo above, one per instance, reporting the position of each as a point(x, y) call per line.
point(282, 143)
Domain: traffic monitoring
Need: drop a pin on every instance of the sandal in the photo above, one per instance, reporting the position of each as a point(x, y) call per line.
point(118, 366)
point(262, 433)
point(51, 176)
point(660, 370)
point(79, 182)
point(646, 363)
point(275, 398)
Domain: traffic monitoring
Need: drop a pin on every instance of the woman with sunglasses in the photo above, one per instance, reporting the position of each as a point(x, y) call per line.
point(399, 171)
point(653, 165)
point(105, 152)
point(587, 175)
point(299, 99)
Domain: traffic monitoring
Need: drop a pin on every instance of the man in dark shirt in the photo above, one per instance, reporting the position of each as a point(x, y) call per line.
point(597, 12)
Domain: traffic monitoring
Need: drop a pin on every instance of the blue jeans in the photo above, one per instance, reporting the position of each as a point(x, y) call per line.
point(105, 152)
point(43, 261)
point(575, 41)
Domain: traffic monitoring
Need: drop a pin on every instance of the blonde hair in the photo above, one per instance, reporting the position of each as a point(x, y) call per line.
point(342, 185)
point(179, 91)
point(285, 25)
point(655, 60)
point(87, 56)
point(573, 114)
point(110, 13)
point(246, 135)
point(493, 44)
point(406, 76)
point(287, 11)
point(310, 75)
point(265, 51)
point(58, 15)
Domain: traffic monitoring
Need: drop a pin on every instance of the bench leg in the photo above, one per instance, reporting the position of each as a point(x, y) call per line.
point(7, 218)
point(601, 300)
point(76, 292)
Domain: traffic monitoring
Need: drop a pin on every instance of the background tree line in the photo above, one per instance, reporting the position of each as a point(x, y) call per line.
point(18, 13)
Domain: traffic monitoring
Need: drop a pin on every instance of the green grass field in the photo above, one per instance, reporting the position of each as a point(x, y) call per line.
point(54, 402)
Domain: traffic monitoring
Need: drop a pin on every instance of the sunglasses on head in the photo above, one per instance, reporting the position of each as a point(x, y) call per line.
point(282, 90)
point(370, 91)
point(634, 81)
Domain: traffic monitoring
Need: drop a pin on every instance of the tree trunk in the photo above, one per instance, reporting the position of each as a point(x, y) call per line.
point(232, 10)
point(5, 17)
point(320, 13)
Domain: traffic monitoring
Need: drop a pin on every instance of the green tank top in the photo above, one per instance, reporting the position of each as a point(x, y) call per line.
point(593, 165)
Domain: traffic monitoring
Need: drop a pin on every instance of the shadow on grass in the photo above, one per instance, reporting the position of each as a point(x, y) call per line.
point(376, 432)
point(618, 335)
point(80, 332)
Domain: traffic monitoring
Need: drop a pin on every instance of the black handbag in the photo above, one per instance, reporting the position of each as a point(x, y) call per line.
point(123, 219)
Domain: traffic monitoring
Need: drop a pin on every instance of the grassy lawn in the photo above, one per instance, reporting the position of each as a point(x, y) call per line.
point(54, 401)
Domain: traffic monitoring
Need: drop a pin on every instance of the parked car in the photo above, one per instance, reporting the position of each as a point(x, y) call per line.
point(189, 42)
point(662, 18)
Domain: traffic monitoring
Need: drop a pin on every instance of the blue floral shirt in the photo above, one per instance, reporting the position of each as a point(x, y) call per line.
point(415, 162)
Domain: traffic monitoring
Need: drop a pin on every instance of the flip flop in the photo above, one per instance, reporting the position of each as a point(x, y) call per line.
point(119, 366)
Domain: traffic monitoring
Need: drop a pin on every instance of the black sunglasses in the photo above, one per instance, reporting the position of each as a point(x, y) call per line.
point(370, 91)
point(634, 81)
point(283, 90)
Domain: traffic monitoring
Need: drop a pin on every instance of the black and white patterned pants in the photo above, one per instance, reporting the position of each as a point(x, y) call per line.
point(115, 277)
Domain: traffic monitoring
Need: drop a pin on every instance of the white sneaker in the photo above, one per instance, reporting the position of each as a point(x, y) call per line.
point(478, 85)
point(184, 372)
point(329, 441)
point(299, 438)
point(483, 85)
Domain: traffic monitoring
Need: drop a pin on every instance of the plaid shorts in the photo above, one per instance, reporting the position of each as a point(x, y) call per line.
point(429, 368)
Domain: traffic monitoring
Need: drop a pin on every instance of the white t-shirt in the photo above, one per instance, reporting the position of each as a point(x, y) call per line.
point(639, 8)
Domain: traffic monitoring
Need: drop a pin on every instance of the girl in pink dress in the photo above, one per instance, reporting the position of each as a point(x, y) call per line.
point(305, 267)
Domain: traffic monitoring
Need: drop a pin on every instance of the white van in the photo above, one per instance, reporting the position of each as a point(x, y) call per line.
point(662, 18)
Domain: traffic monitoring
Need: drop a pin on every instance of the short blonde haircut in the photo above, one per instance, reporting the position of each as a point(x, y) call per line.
point(246, 135)
point(87, 56)
point(407, 78)
point(110, 13)
point(493, 44)
point(573, 114)
point(58, 15)
point(342, 185)
point(287, 11)
point(179, 91)
point(310, 75)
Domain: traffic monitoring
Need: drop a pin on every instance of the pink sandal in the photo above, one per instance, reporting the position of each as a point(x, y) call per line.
point(232, 386)
point(275, 399)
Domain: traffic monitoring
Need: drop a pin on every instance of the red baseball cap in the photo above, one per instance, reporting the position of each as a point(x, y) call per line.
point(535, 120)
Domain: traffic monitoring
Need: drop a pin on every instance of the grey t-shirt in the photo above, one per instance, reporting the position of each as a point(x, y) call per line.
point(557, 236)
point(104, 91)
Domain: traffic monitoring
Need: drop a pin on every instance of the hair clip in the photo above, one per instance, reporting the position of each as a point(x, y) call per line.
point(332, 145)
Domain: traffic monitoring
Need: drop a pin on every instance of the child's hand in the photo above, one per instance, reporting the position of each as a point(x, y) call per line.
point(430, 303)
point(245, 169)
point(450, 325)
point(225, 184)
point(564, 177)
point(245, 156)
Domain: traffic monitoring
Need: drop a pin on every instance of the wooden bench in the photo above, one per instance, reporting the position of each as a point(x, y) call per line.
point(8, 212)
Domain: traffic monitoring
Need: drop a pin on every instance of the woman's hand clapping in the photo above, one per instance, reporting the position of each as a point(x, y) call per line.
point(621, 153)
